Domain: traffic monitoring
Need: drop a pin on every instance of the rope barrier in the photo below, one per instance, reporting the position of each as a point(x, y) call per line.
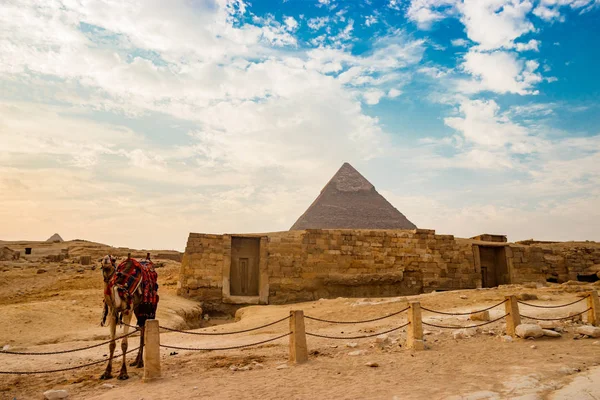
point(226, 348)
point(357, 322)
point(556, 319)
point(559, 306)
point(466, 313)
point(224, 333)
point(462, 327)
point(63, 351)
point(357, 337)
point(64, 369)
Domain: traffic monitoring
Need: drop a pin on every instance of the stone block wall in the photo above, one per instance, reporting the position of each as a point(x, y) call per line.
point(201, 268)
point(312, 264)
point(560, 261)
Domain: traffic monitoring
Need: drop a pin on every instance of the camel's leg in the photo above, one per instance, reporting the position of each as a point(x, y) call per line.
point(113, 328)
point(139, 360)
point(123, 374)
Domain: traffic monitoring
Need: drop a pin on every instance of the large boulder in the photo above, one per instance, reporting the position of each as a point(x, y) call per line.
point(588, 330)
point(529, 331)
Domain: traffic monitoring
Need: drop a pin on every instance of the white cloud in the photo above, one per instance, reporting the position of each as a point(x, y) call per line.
point(370, 20)
point(460, 43)
point(549, 10)
point(291, 24)
point(317, 23)
point(532, 45)
point(500, 72)
point(393, 93)
point(427, 12)
point(373, 96)
point(495, 23)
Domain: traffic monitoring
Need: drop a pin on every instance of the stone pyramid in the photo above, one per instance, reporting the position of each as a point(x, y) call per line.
point(349, 201)
point(55, 238)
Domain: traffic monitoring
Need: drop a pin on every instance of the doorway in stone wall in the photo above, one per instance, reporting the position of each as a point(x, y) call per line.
point(494, 267)
point(244, 272)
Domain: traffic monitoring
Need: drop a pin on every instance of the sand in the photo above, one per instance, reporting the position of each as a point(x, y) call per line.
point(61, 310)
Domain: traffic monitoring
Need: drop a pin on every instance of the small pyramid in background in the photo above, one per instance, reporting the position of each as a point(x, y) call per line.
point(55, 238)
point(349, 201)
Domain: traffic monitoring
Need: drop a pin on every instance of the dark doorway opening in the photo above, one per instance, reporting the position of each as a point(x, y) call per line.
point(27, 250)
point(494, 268)
point(245, 254)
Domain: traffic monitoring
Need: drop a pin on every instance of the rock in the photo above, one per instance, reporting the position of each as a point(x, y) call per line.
point(506, 339)
point(529, 331)
point(426, 332)
point(533, 346)
point(596, 343)
point(357, 353)
point(463, 333)
point(56, 394)
point(526, 296)
point(282, 366)
point(233, 368)
point(545, 298)
point(383, 340)
point(574, 317)
point(107, 386)
point(588, 330)
point(550, 333)
point(548, 324)
point(568, 370)
point(6, 347)
point(41, 271)
point(352, 345)
point(463, 297)
point(245, 368)
point(372, 364)
point(480, 316)
point(257, 365)
point(206, 317)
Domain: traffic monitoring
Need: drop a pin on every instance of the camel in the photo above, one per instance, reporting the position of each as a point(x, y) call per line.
point(117, 311)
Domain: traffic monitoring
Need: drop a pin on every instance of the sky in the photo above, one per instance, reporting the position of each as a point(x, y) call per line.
point(133, 123)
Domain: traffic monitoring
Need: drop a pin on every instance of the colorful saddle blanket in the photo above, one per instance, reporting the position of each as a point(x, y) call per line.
point(131, 275)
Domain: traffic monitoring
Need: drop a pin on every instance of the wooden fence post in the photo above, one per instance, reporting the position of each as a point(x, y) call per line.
point(298, 348)
point(594, 306)
point(513, 318)
point(414, 333)
point(151, 351)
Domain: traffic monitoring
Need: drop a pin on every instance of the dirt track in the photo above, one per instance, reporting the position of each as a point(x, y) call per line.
point(61, 310)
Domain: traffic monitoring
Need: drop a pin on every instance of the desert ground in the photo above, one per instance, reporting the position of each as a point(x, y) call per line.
point(49, 306)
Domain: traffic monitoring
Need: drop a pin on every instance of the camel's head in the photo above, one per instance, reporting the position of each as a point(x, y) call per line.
point(108, 267)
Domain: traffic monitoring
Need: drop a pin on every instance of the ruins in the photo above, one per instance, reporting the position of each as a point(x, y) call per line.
point(351, 253)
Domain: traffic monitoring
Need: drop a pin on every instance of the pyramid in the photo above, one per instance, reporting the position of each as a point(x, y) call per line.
point(55, 238)
point(349, 201)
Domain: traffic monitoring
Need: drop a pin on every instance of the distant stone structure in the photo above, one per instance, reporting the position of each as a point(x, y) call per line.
point(283, 267)
point(170, 256)
point(55, 238)
point(349, 201)
point(85, 260)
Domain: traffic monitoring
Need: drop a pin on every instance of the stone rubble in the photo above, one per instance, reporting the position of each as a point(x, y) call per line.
point(529, 331)
point(56, 394)
point(588, 330)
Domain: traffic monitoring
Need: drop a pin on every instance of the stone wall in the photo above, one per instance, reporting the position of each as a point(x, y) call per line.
point(201, 268)
point(555, 261)
point(313, 264)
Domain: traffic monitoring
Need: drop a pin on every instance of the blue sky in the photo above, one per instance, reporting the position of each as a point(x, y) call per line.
point(136, 122)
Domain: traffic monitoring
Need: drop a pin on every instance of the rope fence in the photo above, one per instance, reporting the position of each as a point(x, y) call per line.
point(557, 306)
point(226, 348)
point(364, 321)
point(64, 369)
point(461, 313)
point(298, 349)
point(225, 333)
point(557, 319)
point(64, 351)
point(461, 327)
point(357, 337)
